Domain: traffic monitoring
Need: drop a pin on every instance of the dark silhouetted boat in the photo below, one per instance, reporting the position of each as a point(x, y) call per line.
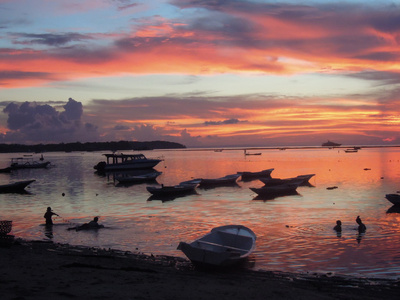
point(393, 198)
point(120, 162)
point(15, 187)
point(255, 175)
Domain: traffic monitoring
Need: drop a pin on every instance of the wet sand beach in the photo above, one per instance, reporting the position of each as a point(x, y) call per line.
point(47, 270)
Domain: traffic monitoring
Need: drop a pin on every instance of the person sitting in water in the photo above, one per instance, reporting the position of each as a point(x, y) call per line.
point(338, 227)
point(361, 226)
point(48, 214)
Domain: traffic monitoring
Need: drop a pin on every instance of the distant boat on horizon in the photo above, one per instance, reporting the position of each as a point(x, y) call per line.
point(331, 144)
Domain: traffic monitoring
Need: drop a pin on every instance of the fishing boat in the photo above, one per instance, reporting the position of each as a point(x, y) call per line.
point(27, 163)
point(226, 180)
point(393, 198)
point(247, 153)
point(138, 178)
point(118, 162)
point(255, 175)
point(15, 187)
point(172, 190)
point(302, 179)
point(276, 189)
point(222, 247)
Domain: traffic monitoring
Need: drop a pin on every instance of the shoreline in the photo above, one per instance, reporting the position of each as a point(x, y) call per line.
point(47, 270)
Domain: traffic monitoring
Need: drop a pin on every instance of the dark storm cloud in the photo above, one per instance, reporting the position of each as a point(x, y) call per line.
point(49, 39)
point(32, 122)
point(224, 122)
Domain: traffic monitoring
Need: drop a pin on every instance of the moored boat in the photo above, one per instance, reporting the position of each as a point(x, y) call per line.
point(255, 175)
point(138, 178)
point(118, 162)
point(27, 163)
point(276, 189)
point(172, 190)
point(393, 198)
point(301, 179)
point(15, 187)
point(223, 246)
point(228, 179)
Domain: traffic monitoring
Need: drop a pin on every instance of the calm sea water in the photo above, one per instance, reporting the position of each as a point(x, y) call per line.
point(294, 233)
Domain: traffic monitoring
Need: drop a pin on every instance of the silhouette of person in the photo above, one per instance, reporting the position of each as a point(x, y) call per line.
point(48, 214)
point(361, 226)
point(338, 227)
point(91, 225)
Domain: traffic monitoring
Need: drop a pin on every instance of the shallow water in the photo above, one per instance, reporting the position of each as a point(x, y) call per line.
point(294, 233)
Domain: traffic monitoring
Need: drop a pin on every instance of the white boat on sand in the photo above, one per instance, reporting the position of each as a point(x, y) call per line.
point(223, 246)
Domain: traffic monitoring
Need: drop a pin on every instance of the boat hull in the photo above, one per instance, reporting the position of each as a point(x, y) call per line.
point(393, 198)
point(255, 175)
point(15, 187)
point(222, 247)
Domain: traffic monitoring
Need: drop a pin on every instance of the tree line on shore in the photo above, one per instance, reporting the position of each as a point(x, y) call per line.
point(90, 146)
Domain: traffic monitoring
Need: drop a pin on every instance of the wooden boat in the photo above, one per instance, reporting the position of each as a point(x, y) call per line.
point(351, 150)
point(15, 187)
point(27, 163)
point(303, 179)
point(222, 246)
point(119, 162)
point(276, 189)
point(255, 175)
point(393, 198)
point(172, 190)
point(228, 179)
point(256, 153)
point(138, 178)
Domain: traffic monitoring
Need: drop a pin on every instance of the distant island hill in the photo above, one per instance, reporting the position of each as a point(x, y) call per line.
point(93, 146)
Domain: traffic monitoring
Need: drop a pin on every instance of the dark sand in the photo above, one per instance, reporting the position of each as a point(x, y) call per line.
point(44, 270)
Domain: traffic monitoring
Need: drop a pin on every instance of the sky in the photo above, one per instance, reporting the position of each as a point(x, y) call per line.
point(209, 73)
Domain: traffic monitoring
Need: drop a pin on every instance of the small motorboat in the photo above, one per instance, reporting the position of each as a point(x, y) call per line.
point(138, 178)
point(124, 162)
point(255, 175)
point(172, 190)
point(223, 246)
point(393, 198)
point(226, 180)
point(15, 187)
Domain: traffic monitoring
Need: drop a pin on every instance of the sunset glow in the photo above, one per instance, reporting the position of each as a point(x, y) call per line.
point(200, 73)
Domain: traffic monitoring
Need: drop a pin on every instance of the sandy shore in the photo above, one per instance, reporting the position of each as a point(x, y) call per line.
point(44, 270)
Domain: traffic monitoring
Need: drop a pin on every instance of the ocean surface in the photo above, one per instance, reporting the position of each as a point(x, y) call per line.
point(294, 233)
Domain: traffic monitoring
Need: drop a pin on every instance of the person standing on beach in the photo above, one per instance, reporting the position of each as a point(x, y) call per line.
point(48, 214)
point(361, 227)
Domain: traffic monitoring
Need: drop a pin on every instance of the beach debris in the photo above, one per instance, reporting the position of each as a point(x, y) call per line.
point(332, 187)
